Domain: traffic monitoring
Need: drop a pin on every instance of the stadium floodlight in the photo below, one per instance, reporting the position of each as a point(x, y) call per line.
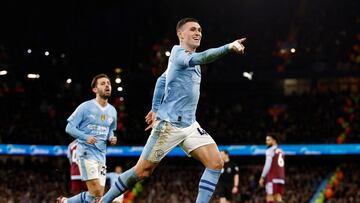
point(248, 75)
point(68, 81)
point(29, 51)
point(62, 55)
point(120, 89)
point(3, 72)
point(118, 80)
point(292, 50)
point(121, 98)
point(167, 53)
point(33, 76)
point(47, 53)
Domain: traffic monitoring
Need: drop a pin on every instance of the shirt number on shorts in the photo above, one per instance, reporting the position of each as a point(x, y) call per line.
point(202, 131)
point(281, 160)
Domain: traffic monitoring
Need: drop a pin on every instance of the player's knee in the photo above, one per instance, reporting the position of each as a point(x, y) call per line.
point(278, 197)
point(217, 164)
point(97, 192)
point(144, 171)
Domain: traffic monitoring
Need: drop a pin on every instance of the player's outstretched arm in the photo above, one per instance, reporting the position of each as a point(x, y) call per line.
point(213, 54)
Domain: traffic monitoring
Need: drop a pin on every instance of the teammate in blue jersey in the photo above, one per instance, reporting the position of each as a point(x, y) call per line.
point(93, 124)
point(172, 117)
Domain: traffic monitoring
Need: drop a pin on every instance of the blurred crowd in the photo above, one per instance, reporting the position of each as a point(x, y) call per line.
point(301, 184)
point(32, 180)
point(349, 189)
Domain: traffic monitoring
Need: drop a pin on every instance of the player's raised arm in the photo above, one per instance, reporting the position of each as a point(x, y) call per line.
point(186, 58)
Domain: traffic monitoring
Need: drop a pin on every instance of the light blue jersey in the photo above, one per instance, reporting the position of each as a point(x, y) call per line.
point(113, 177)
point(177, 90)
point(91, 119)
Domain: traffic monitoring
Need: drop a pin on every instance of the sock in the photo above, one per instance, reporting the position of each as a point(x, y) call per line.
point(207, 185)
point(125, 181)
point(84, 197)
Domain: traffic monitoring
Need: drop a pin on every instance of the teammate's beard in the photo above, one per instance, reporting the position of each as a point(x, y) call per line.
point(104, 96)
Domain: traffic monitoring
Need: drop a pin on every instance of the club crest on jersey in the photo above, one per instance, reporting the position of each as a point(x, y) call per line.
point(102, 117)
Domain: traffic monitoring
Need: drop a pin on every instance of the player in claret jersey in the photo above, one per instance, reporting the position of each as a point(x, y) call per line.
point(273, 173)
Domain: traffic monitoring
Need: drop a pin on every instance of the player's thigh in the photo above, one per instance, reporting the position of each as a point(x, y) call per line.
point(200, 145)
point(163, 138)
point(93, 173)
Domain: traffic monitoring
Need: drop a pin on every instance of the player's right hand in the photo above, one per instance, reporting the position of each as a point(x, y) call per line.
point(237, 46)
point(150, 120)
point(261, 182)
point(91, 140)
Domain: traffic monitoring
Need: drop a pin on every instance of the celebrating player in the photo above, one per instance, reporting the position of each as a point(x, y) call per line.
point(274, 172)
point(229, 179)
point(172, 116)
point(77, 185)
point(93, 124)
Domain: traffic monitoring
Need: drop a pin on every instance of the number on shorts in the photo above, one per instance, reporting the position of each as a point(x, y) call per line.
point(202, 131)
point(103, 170)
point(281, 160)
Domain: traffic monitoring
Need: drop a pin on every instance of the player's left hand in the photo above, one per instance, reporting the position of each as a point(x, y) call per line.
point(113, 140)
point(237, 46)
point(150, 120)
point(261, 182)
point(234, 190)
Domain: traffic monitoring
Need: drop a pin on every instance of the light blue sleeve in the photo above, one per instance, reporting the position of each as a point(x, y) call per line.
point(187, 59)
point(159, 92)
point(72, 128)
point(109, 175)
point(268, 161)
point(113, 125)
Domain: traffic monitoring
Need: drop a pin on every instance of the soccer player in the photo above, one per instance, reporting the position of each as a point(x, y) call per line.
point(93, 124)
point(77, 185)
point(229, 179)
point(113, 176)
point(172, 116)
point(274, 172)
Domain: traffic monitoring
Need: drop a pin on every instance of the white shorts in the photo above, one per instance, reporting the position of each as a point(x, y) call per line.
point(91, 169)
point(164, 137)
